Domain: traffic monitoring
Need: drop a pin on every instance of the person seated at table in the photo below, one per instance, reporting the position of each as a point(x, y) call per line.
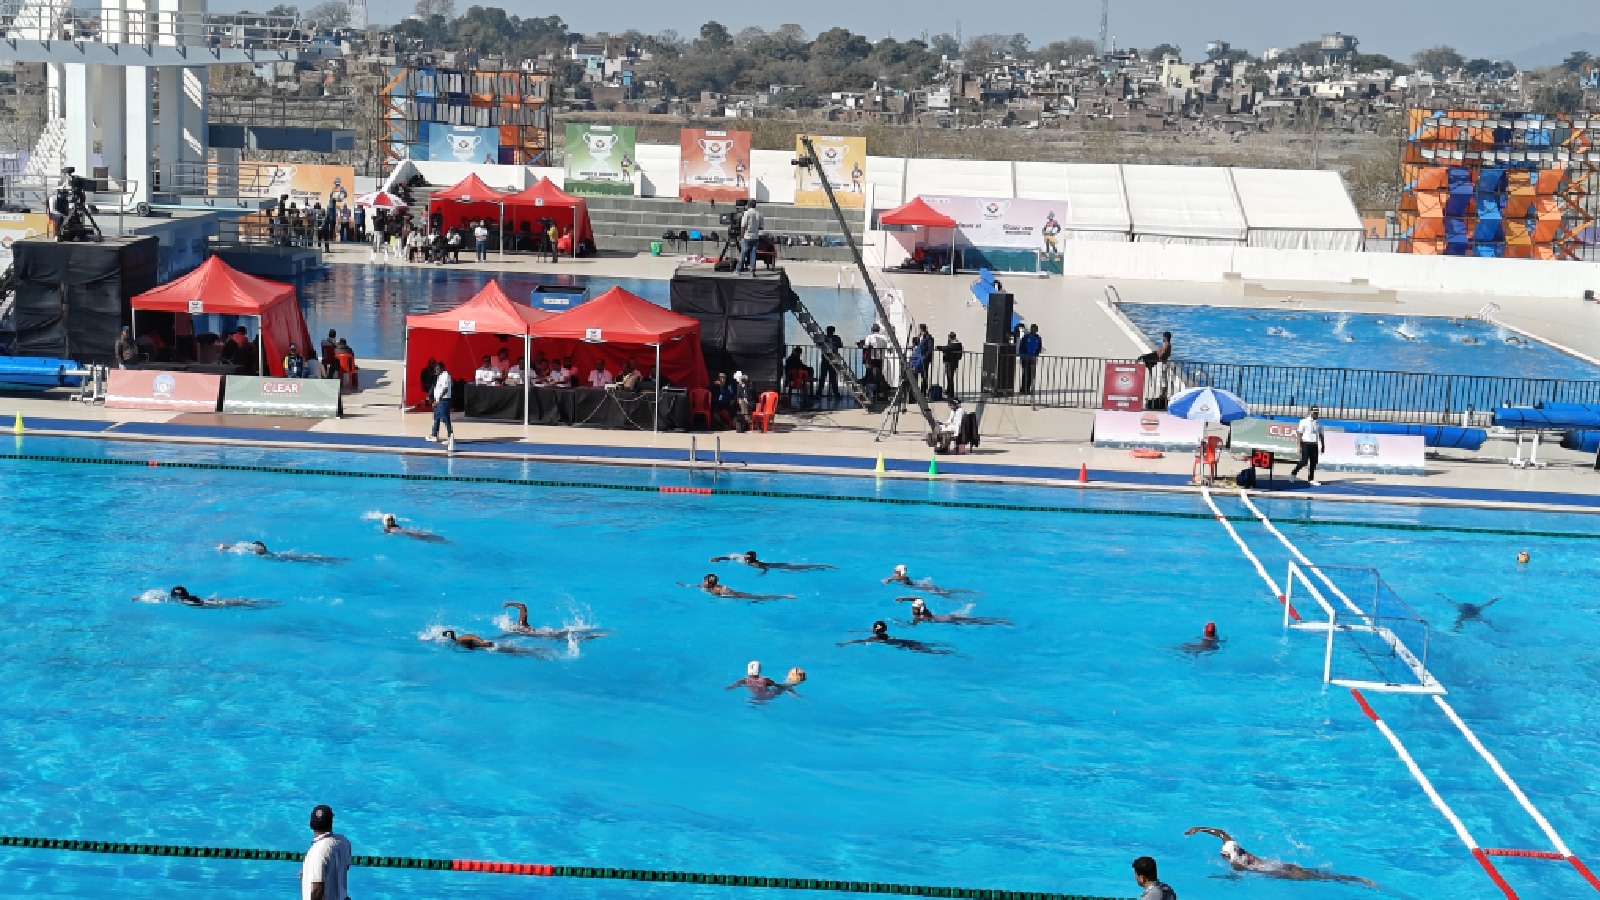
point(655, 381)
point(514, 374)
point(601, 376)
point(486, 373)
point(541, 363)
point(556, 375)
point(502, 363)
point(630, 376)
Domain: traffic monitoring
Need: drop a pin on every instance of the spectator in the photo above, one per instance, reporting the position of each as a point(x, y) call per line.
point(1144, 872)
point(126, 350)
point(750, 227)
point(436, 248)
point(561, 373)
point(312, 367)
point(502, 364)
point(330, 354)
point(443, 391)
point(826, 373)
point(922, 356)
point(1159, 355)
point(514, 374)
point(1028, 350)
point(741, 399)
point(601, 376)
point(797, 375)
point(480, 237)
point(294, 365)
point(360, 224)
point(873, 348)
point(413, 246)
point(486, 373)
point(344, 224)
point(723, 398)
point(630, 376)
point(953, 353)
point(346, 359)
point(564, 245)
point(324, 874)
point(453, 244)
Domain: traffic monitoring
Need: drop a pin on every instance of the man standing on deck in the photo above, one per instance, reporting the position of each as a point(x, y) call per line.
point(442, 392)
point(324, 875)
point(1311, 440)
point(1028, 350)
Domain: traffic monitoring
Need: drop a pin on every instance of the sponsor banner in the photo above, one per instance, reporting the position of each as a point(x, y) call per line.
point(304, 183)
point(715, 164)
point(1390, 454)
point(16, 226)
point(310, 397)
point(173, 391)
point(1002, 223)
point(463, 143)
point(1153, 430)
point(1123, 387)
point(844, 163)
point(600, 159)
point(1278, 438)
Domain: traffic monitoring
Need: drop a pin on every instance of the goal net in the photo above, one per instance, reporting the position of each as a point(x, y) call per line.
point(1373, 640)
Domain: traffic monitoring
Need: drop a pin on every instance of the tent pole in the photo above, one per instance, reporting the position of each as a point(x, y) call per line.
point(503, 257)
point(261, 348)
point(405, 349)
point(527, 362)
point(655, 413)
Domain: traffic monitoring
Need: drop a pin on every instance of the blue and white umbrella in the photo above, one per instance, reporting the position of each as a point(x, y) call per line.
point(1207, 405)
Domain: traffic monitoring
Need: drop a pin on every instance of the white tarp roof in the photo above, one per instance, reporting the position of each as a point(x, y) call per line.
point(1098, 198)
point(1307, 209)
point(958, 178)
point(1183, 202)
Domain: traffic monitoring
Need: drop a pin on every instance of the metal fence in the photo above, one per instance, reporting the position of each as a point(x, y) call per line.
point(1401, 397)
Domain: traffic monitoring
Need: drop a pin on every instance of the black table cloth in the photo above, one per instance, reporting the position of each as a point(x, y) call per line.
point(596, 407)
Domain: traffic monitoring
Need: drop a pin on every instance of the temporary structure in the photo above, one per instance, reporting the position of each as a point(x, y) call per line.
point(467, 200)
point(461, 337)
point(545, 200)
point(215, 288)
point(919, 214)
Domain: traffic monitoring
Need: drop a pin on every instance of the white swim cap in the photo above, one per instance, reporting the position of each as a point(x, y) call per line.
point(919, 603)
point(753, 668)
point(900, 569)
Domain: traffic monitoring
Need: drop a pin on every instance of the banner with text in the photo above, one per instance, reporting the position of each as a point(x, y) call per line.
point(1390, 454)
point(1149, 430)
point(463, 143)
point(600, 159)
point(174, 391)
point(311, 397)
point(1124, 387)
point(304, 183)
point(844, 163)
point(16, 226)
point(715, 164)
point(997, 223)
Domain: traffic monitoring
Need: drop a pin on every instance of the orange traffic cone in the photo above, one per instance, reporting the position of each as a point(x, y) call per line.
point(1083, 473)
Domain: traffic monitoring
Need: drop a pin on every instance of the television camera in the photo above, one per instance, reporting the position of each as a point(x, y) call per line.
point(74, 216)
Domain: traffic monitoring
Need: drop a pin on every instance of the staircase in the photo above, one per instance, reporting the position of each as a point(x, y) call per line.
point(829, 355)
point(630, 224)
point(49, 154)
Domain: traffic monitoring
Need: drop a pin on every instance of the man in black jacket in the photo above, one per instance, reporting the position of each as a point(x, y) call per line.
point(953, 352)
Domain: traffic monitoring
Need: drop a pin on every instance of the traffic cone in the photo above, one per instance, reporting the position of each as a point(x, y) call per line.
point(933, 466)
point(1083, 473)
point(879, 467)
point(17, 428)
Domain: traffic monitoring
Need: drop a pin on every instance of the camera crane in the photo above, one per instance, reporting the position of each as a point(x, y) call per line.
point(810, 160)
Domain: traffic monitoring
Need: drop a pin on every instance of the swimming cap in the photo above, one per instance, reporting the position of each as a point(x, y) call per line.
point(918, 603)
point(900, 569)
point(1211, 629)
point(753, 668)
point(879, 626)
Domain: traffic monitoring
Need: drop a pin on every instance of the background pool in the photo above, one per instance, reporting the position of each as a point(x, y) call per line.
point(1043, 756)
point(1220, 334)
point(368, 304)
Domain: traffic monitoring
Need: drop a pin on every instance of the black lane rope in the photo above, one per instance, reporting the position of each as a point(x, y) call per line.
point(538, 869)
point(779, 495)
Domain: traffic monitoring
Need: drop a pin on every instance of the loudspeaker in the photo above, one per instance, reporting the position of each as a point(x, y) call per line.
point(999, 368)
point(1000, 311)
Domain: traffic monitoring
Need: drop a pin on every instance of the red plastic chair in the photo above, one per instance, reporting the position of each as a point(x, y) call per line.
point(700, 407)
point(1206, 457)
point(348, 373)
point(766, 410)
point(798, 383)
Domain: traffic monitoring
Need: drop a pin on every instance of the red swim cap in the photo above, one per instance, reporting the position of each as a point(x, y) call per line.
point(1211, 629)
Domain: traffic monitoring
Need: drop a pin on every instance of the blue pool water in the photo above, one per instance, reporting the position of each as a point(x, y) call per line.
point(1380, 341)
point(1040, 756)
point(368, 304)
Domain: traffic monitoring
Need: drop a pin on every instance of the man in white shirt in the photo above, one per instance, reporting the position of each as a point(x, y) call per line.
point(1311, 441)
point(486, 373)
point(480, 236)
point(514, 374)
point(443, 389)
point(875, 347)
point(502, 363)
point(601, 376)
point(324, 875)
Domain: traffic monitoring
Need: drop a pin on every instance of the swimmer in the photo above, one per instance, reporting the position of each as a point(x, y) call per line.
point(715, 588)
point(1470, 340)
point(391, 525)
point(1208, 643)
point(880, 635)
point(749, 558)
point(257, 548)
point(1243, 860)
point(468, 641)
point(900, 576)
point(763, 688)
point(1471, 612)
point(921, 613)
point(1523, 557)
point(1277, 331)
point(180, 594)
point(574, 633)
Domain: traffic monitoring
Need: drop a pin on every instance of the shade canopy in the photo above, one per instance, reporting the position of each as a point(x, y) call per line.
point(220, 289)
point(381, 200)
point(917, 213)
point(544, 200)
point(470, 189)
point(466, 201)
point(618, 325)
point(461, 337)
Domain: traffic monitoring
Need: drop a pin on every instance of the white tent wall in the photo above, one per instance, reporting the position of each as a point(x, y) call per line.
point(773, 175)
point(556, 174)
point(658, 169)
point(887, 175)
point(1293, 209)
point(1183, 205)
point(444, 174)
point(959, 178)
point(1097, 199)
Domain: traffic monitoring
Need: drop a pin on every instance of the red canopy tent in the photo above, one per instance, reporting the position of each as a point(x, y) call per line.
point(467, 201)
point(617, 325)
point(545, 200)
point(215, 288)
point(461, 337)
point(919, 214)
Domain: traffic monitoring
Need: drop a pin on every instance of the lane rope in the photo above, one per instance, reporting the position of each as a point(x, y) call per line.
point(543, 870)
point(1260, 569)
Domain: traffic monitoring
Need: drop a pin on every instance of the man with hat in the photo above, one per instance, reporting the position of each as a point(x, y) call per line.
point(324, 874)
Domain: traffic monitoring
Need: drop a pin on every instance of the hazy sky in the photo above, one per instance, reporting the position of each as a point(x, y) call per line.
point(1490, 28)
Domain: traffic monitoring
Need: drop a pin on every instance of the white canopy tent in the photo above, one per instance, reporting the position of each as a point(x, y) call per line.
point(1295, 209)
point(1094, 202)
point(1183, 205)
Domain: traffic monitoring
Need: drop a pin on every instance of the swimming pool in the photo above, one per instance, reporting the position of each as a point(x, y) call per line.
point(368, 304)
point(1039, 756)
point(1380, 341)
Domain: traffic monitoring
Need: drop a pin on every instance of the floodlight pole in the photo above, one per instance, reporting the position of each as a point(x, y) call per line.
point(811, 161)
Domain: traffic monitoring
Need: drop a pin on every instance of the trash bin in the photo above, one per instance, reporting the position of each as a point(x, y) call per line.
point(655, 248)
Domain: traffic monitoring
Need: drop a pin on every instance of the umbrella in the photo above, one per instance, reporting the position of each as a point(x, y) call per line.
point(1207, 405)
point(381, 199)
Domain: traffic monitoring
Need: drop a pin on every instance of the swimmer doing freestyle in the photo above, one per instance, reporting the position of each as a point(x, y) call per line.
point(257, 548)
point(180, 594)
point(763, 688)
point(391, 525)
point(715, 588)
point(880, 635)
point(749, 558)
point(467, 641)
point(901, 577)
point(578, 633)
point(921, 613)
point(1243, 860)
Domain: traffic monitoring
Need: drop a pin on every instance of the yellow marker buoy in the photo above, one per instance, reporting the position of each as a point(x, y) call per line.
point(17, 428)
point(879, 467)
point(933, 466)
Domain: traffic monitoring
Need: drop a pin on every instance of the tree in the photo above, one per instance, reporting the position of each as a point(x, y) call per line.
point(1437, 59)
point(713, 36)
point(1575, 60)
point(1371, 62)
point(840, 46)
point(1162, 51)
point(1069, 49)
point(283, 11)
point(945, 45)
point(991, 46)
point(328, 16)
point(427, 9)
